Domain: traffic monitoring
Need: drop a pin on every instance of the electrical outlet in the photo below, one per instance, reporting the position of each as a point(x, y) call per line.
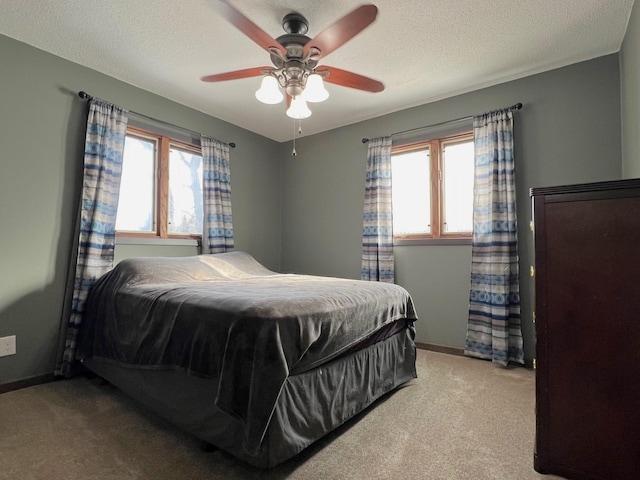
point(7, 346)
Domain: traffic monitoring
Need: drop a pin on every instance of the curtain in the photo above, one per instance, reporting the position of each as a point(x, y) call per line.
point(493, 330)
point(104, 147)
point(377, 230)
point(218, 225)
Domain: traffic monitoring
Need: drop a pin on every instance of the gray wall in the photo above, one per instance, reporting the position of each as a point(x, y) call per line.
point(567, 132)
point(42, 124)
point(630, 96)
point(142, 250)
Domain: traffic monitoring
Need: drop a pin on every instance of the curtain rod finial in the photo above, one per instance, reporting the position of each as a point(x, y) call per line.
point(365, 140)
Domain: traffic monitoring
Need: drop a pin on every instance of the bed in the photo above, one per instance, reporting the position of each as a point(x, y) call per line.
point(257, 363)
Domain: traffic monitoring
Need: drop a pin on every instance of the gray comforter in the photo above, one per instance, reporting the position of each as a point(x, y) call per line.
point(228, 318)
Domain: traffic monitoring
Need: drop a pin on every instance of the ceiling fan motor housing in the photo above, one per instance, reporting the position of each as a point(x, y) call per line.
point(295, 23)
point(294, 66)
point(293, 41)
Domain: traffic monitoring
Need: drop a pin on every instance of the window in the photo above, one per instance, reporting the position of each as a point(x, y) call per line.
point(433, 189)
point(161, 188)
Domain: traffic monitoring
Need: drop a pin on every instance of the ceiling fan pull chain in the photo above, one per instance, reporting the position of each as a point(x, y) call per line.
point(294, 153)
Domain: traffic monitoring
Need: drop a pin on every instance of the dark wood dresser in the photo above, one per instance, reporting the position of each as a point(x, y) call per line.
point(587, 314)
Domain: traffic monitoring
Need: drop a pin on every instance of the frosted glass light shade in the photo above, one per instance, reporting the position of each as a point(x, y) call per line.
point(314, 91)
point(298, 108)
point(269, 91)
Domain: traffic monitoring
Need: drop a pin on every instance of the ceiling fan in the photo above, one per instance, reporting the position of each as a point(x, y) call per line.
point(295, 58)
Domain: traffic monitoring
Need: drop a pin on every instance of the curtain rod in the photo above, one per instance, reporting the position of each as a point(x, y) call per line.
point(517, 106)
point(86, 96)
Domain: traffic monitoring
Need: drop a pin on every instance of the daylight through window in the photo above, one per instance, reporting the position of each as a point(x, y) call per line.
point(433, 188)
point(161, 187)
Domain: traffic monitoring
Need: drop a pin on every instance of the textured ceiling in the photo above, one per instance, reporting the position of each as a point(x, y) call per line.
point(422, 50)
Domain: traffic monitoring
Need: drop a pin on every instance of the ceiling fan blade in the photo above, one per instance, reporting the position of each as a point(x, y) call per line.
point(236, 74)
point(343, 30)
point(351, 80)
point(246, 26)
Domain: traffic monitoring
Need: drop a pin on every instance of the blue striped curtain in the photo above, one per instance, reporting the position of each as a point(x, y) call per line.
point(493, 330)
point(377, 230)
point(104, 147)
point(218, 223)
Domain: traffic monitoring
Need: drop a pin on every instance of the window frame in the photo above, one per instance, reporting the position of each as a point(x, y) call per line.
point(162, 151)
point(437, 236)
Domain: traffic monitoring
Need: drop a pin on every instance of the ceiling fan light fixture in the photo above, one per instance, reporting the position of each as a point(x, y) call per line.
point(269, 91)
point(314, 90)
point(298, 108)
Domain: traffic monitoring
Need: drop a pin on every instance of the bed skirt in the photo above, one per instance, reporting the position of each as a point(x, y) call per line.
point(310, 404)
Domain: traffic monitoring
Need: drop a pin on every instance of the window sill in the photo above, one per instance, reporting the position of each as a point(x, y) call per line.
point(406, 242)
point(186, 242)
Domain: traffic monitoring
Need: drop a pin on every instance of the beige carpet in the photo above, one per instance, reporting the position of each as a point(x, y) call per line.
point(461, 419)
